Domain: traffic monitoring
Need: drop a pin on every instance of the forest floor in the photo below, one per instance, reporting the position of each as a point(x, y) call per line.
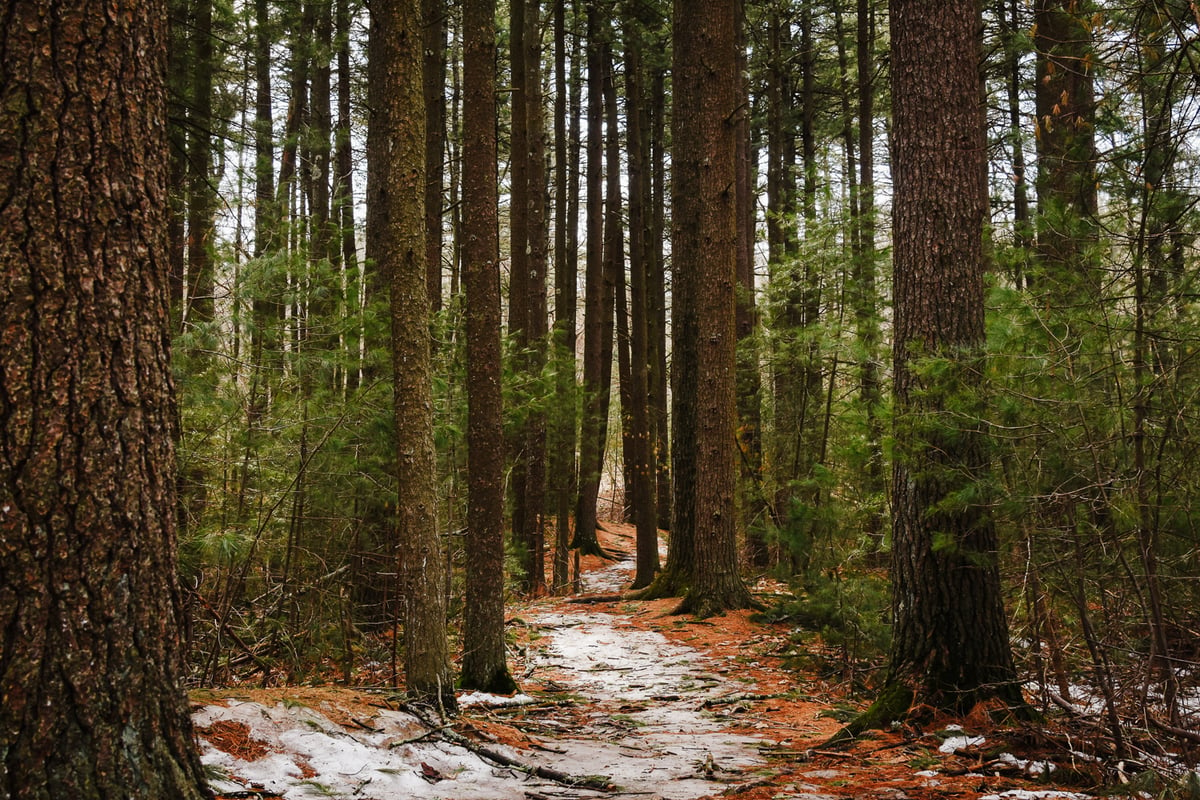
point(620, 699)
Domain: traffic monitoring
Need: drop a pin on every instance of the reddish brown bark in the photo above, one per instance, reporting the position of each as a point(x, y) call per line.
point(90, 657)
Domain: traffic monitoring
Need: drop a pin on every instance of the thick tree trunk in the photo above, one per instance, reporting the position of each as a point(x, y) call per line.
point(950, 646)
point(397, 246)
point(483, 665)
point(91, 663)
point(704, 243)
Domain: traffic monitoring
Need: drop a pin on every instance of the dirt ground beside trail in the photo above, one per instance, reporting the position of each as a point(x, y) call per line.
point(740, 684)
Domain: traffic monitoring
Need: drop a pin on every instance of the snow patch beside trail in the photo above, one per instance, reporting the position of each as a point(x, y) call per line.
point(312, 757)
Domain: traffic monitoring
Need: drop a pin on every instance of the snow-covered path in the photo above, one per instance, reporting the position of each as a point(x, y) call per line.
point(641, 728)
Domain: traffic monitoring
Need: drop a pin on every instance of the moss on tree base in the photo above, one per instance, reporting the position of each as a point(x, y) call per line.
point(893, 704)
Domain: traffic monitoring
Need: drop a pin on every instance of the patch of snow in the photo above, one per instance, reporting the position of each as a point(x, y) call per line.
point(660, 746)
point(1026, 794)
point(953, 744)
point(343, 763)
point(494, 700)
point(1031, 768)
point(926, 773)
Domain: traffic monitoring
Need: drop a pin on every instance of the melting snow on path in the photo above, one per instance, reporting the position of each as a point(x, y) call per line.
point(646, 734)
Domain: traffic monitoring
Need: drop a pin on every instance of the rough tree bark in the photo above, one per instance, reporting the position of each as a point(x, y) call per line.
point(483, 665)
point(397, 246)
point(702, 560)
point(950, 648)
point(90, 657)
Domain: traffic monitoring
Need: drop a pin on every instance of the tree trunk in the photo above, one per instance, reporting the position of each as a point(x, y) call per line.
point(1066, 175)
point(483, 665)
point(704, 244)
point(518, 280)
point(397, 246)
point(642, 470)
point(753, 505)
point(343, 202)
point(201, 193)
point(90, 604)
point(656, 299)
point(566, 241)
point(866, 313)
point(536, 326)
point(598, 298)
point(435, 143)
point(944, 655)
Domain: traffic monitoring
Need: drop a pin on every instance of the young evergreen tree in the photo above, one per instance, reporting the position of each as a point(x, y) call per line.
point(397, 145)
point(483, 665)
point(91, 661)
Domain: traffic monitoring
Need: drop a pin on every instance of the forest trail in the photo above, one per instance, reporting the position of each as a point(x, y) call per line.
point(620, 699)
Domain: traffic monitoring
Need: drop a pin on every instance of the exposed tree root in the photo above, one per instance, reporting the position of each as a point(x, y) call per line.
point(598, 783)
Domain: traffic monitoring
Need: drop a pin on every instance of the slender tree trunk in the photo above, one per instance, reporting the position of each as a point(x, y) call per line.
point(866, 312)
point(753, 505)
point(1008, 15)
point(518, 281)
point(562, 453)
point(343, 201)
point(320, 140)
point(90, 604)
point(201, 194)
point(483, 665)
point(656, 299)
point(642, 489)
point(597, 302)
point(536, 325)
point(435, 13)
point(397, 244)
